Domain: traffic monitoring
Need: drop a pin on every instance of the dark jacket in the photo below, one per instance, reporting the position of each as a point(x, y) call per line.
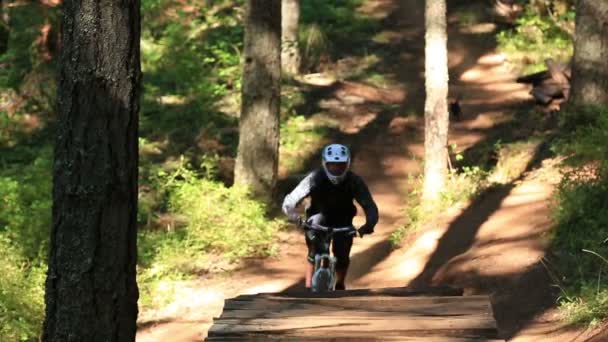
point(335, 202)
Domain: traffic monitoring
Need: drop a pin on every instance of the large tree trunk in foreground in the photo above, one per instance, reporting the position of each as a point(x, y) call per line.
point(590, 67)
point(290, 51)
point(91, 292)
point(258, 151)
point(435, 108)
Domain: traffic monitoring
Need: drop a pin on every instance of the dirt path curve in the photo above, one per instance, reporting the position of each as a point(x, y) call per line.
point(491, 246)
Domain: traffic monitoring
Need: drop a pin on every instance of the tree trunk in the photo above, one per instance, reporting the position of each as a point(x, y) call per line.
point(435, 108)
point(4, 28)
point(290, 51)
point(91, 292)
point(258, 150)
point(590, 67)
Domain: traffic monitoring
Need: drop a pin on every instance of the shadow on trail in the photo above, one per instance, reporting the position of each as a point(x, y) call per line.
point(507, 289)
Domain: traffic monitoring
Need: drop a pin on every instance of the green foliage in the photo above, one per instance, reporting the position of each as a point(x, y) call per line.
point(22, 56)
point(538, 35)
point(21, 294)
point(25, 217)
point(207, 219)
point(301, 137)
point(582, 224)
point(237, 227)
point(585, 131)
point(25, 210)
point(190, 61)
point(333, 29)
point(581, 215)
point(314, 44)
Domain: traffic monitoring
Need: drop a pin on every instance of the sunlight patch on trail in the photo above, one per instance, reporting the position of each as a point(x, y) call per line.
point(416, 257)
point(269, 287)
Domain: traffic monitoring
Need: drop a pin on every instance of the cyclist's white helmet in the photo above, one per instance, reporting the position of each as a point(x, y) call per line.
point(336, 162)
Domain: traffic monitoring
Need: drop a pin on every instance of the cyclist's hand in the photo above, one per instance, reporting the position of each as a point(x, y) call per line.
point(296, 219)
point(310, 234)
point(365, 229)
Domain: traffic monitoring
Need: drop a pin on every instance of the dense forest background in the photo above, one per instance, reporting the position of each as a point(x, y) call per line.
point(191, 219)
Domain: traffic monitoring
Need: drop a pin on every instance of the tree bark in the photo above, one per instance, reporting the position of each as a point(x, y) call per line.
point(290, 51)
point(590, 66)
point(91, 290)
point(4, 28)
point(258, 150)
point(435, 108)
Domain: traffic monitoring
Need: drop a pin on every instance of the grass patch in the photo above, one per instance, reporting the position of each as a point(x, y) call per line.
point(25, 218)
point(302, 138)
point(332, 30)
point(581, 216)
point(537, 36)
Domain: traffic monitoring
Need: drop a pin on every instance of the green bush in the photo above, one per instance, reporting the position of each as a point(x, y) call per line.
point(223, 220)
point(581, 214)
point(584, 135)
point(21, 295)
point(25, 218)
point(209, 224)
point(333, 29)
point(582, 225)
point(25, 210)
point(537, 36)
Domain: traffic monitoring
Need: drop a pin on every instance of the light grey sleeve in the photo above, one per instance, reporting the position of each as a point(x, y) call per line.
point(294, 198)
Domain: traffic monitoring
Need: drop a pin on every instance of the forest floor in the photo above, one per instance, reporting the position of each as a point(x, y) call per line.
point(494, 245)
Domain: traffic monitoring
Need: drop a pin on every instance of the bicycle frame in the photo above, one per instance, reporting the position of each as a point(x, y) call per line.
point(324, 273)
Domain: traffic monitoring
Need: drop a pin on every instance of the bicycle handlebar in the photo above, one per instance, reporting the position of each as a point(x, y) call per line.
point(329, 229)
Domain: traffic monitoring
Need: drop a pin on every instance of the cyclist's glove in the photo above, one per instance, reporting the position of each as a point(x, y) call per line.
point(365, 229)
point(310, 234)
point(295, 219)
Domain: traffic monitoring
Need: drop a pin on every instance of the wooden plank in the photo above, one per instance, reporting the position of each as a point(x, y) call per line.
point(391, 291)
point(320, 312)
point(396, 301)
point(273, 308)
point(377, 335)
point(397, 314)
point(355, 325)
point(373, 337)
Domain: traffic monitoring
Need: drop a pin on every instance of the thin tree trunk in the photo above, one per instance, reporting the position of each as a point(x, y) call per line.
point(4, 27)
point(590, 67)
point(290, 51)
point(91, 292)
point(436, 107)
point(258, 150)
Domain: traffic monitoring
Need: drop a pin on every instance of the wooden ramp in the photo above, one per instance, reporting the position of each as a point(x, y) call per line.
point(394, 314)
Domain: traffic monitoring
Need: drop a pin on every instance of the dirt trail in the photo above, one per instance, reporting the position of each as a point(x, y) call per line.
point(492, 246)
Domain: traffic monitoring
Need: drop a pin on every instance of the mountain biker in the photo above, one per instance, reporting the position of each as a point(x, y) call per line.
point(332, 189)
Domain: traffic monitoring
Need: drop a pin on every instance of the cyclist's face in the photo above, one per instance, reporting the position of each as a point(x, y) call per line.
point(336, 169)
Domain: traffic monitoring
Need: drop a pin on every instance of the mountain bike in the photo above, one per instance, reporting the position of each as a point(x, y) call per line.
point(324, 273)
